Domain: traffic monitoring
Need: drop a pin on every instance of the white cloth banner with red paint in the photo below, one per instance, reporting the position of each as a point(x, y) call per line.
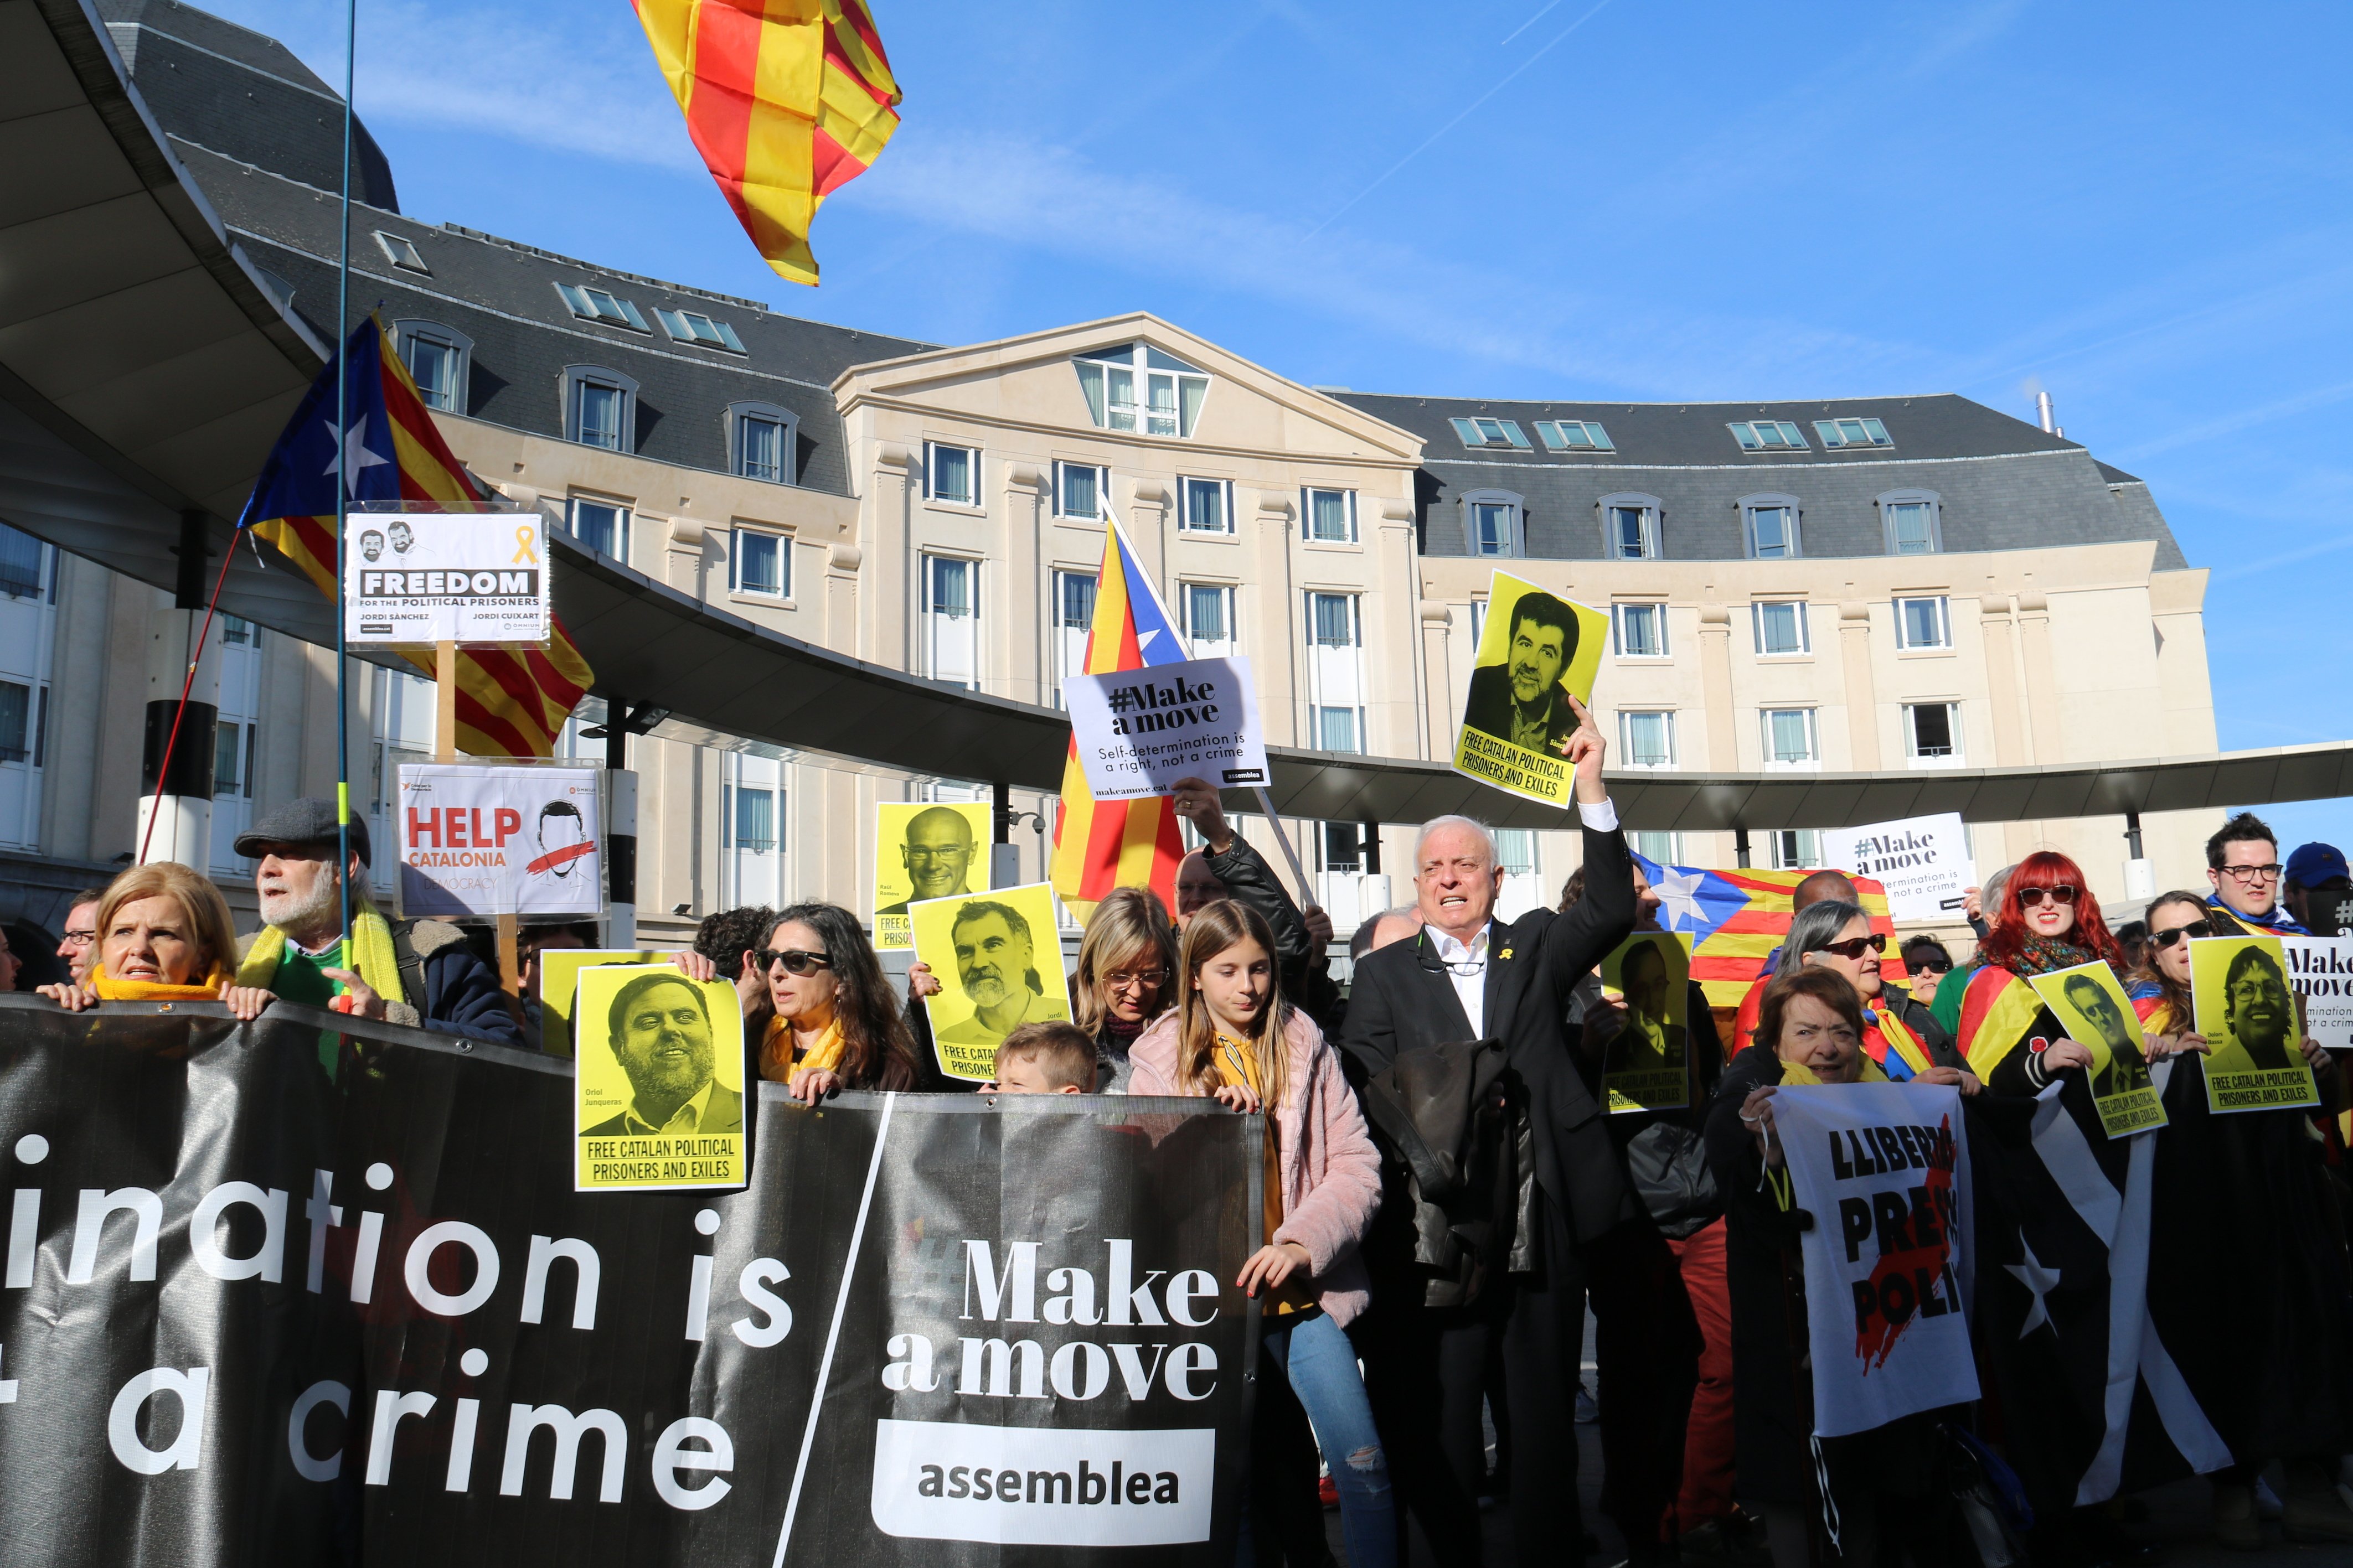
point(1884, 1169)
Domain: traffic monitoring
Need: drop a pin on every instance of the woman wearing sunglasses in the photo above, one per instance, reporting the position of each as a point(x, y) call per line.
point(1898, 1033)
point(2047, 920)
point(837, 1025)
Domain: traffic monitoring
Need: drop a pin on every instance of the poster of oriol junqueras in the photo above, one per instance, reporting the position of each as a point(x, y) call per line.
point(2092, 1009)
point(1646, 1065)
point(1535, 652)
point(371, 1321)
point(659, 1080)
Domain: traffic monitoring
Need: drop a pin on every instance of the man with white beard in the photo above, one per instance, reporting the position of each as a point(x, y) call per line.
point(417, 973)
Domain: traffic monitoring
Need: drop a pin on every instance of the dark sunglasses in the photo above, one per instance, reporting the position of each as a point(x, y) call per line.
point(1930, 965)
point(2167, 938)
point(794, 961)
point(1856, 947)
point(2029, 896)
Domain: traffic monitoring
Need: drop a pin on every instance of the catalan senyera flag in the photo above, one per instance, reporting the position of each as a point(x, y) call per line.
point(787, 100)
point(1100, 845)
point(1735, 920)
point(511, 702)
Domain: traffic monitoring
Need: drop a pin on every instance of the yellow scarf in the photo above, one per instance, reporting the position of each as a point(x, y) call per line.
point(110, 989)
point(777, 1064)
point(1798, 1074)
point(372, 952)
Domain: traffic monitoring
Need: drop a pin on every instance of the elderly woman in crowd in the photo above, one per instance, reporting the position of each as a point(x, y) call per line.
point(1810, 1027)
point(163, 935)
point(1898, 1033)
point(1127, 967)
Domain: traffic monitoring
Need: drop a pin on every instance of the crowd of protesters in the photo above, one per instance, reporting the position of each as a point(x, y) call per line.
point(1405, 1317)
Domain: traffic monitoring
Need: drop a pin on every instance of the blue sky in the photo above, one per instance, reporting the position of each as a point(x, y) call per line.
point(2143, 209)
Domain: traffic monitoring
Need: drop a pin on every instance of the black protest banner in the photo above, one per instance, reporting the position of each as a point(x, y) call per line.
point(250, 1317)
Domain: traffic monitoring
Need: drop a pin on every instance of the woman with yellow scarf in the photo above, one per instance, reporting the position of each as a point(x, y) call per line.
point(1810, 1030)
point(163, 935)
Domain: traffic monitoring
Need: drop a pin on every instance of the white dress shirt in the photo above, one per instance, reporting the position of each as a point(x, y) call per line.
point(1466, 965)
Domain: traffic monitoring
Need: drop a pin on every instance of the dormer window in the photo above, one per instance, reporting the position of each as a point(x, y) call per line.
point(603, 307)
point(1768, 436)
point(1840, 432)
point(1136, 387)
point(704, 331)
point(401, 251)
point(1573, 436)
point(1484, 432)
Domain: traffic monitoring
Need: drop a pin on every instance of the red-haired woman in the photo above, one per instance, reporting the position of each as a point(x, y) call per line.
point(2047, 920)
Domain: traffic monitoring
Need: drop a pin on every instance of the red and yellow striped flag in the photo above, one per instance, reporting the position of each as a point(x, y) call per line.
point(787, 100)
point(1100, 845)
point(511, 702)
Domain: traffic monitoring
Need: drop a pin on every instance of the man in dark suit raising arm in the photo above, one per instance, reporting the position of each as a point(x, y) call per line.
point(1468, 976)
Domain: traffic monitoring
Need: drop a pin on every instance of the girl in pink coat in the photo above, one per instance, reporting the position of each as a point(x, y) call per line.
point(1232, 1036)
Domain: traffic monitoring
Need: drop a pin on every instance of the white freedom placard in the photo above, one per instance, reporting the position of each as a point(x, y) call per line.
point(2320, 970)
point(414, 579)
point(1140, 730)
point(1921, 861)
point(478, 839)
point(1884, 1170)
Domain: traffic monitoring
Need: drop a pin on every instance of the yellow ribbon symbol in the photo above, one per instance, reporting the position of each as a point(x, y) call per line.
point(526, 545)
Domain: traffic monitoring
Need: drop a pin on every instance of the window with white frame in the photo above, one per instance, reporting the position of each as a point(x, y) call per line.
point(1768, 436)
point(600, 407)
point(1638, 631)
point(1914, 521)
point(951, 474)
point(1205, 506)
point(751, 818)
point(1646, 740)
point(601, 525)
point(761, 442)
point(761, 563)
point(1478, 623)
point(1481, 431)
point(1794, 849)
point(1838, 433)
point(951, 619)
point(704, 331)
point(1209, 620)
point(1335, 635)
point(1074, 621)
point(1573, 436)
point(1136, 387)
point(1932, 733)
point(1781, 629)
point(1081, 490)
point(1340, 847)
point(439, 360)
point(1515, 850)
point(1328, 515)
point(1629, 527)
point(1923, 622)
point(1769, 527)
point(1492, 523)
point(1659, 848)
point(751, 829)
point(1790, 741)
point(602, 306)
point(401, 251)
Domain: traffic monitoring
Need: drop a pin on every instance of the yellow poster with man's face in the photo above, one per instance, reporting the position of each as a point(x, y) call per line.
point(998, 958)
point(1647, 1066)
point(2090, 1003)
point(1535, 652)
point(925, 850)
point(2240, 1001)
point(658, 1096)
point(559, 977)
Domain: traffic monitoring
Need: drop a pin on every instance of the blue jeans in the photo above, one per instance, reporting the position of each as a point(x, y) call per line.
point(1320, 1364)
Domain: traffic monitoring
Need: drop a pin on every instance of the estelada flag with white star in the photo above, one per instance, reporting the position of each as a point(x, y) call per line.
point(1736, 918)
point(511, 702)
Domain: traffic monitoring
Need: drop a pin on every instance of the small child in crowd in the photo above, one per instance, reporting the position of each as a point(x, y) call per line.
point(1046, 1058)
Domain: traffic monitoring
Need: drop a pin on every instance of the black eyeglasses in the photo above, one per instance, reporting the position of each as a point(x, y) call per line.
point(794, 961)
point(1854, 947)
point(1930, 965)
point(2064, 893)
point(2171, 934)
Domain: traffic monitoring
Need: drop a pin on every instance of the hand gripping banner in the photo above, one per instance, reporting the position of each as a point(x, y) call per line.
point(252, 1317)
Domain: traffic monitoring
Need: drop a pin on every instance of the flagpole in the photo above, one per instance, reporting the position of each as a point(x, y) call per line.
point(344, 492)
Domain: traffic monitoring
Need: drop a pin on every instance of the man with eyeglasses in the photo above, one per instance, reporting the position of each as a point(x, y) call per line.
point(938, 854)
point(2242, 862)
point(81, 932)
point(1468, 976)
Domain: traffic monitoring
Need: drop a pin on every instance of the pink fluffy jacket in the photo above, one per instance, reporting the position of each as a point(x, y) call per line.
point(1331, 1172)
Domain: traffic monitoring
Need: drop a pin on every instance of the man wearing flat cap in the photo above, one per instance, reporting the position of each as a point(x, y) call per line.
point(417, 973)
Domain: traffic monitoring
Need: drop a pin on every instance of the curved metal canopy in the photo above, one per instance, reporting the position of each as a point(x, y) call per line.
point(145, 372)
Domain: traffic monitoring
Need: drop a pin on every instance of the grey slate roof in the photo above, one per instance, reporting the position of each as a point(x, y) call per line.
point(2003, 484)
point(243, 93)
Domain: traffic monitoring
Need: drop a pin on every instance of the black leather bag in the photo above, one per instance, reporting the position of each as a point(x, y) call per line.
point(1453, 1133)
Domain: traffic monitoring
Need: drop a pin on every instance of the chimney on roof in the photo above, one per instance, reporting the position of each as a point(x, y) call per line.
point(2047, 414)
